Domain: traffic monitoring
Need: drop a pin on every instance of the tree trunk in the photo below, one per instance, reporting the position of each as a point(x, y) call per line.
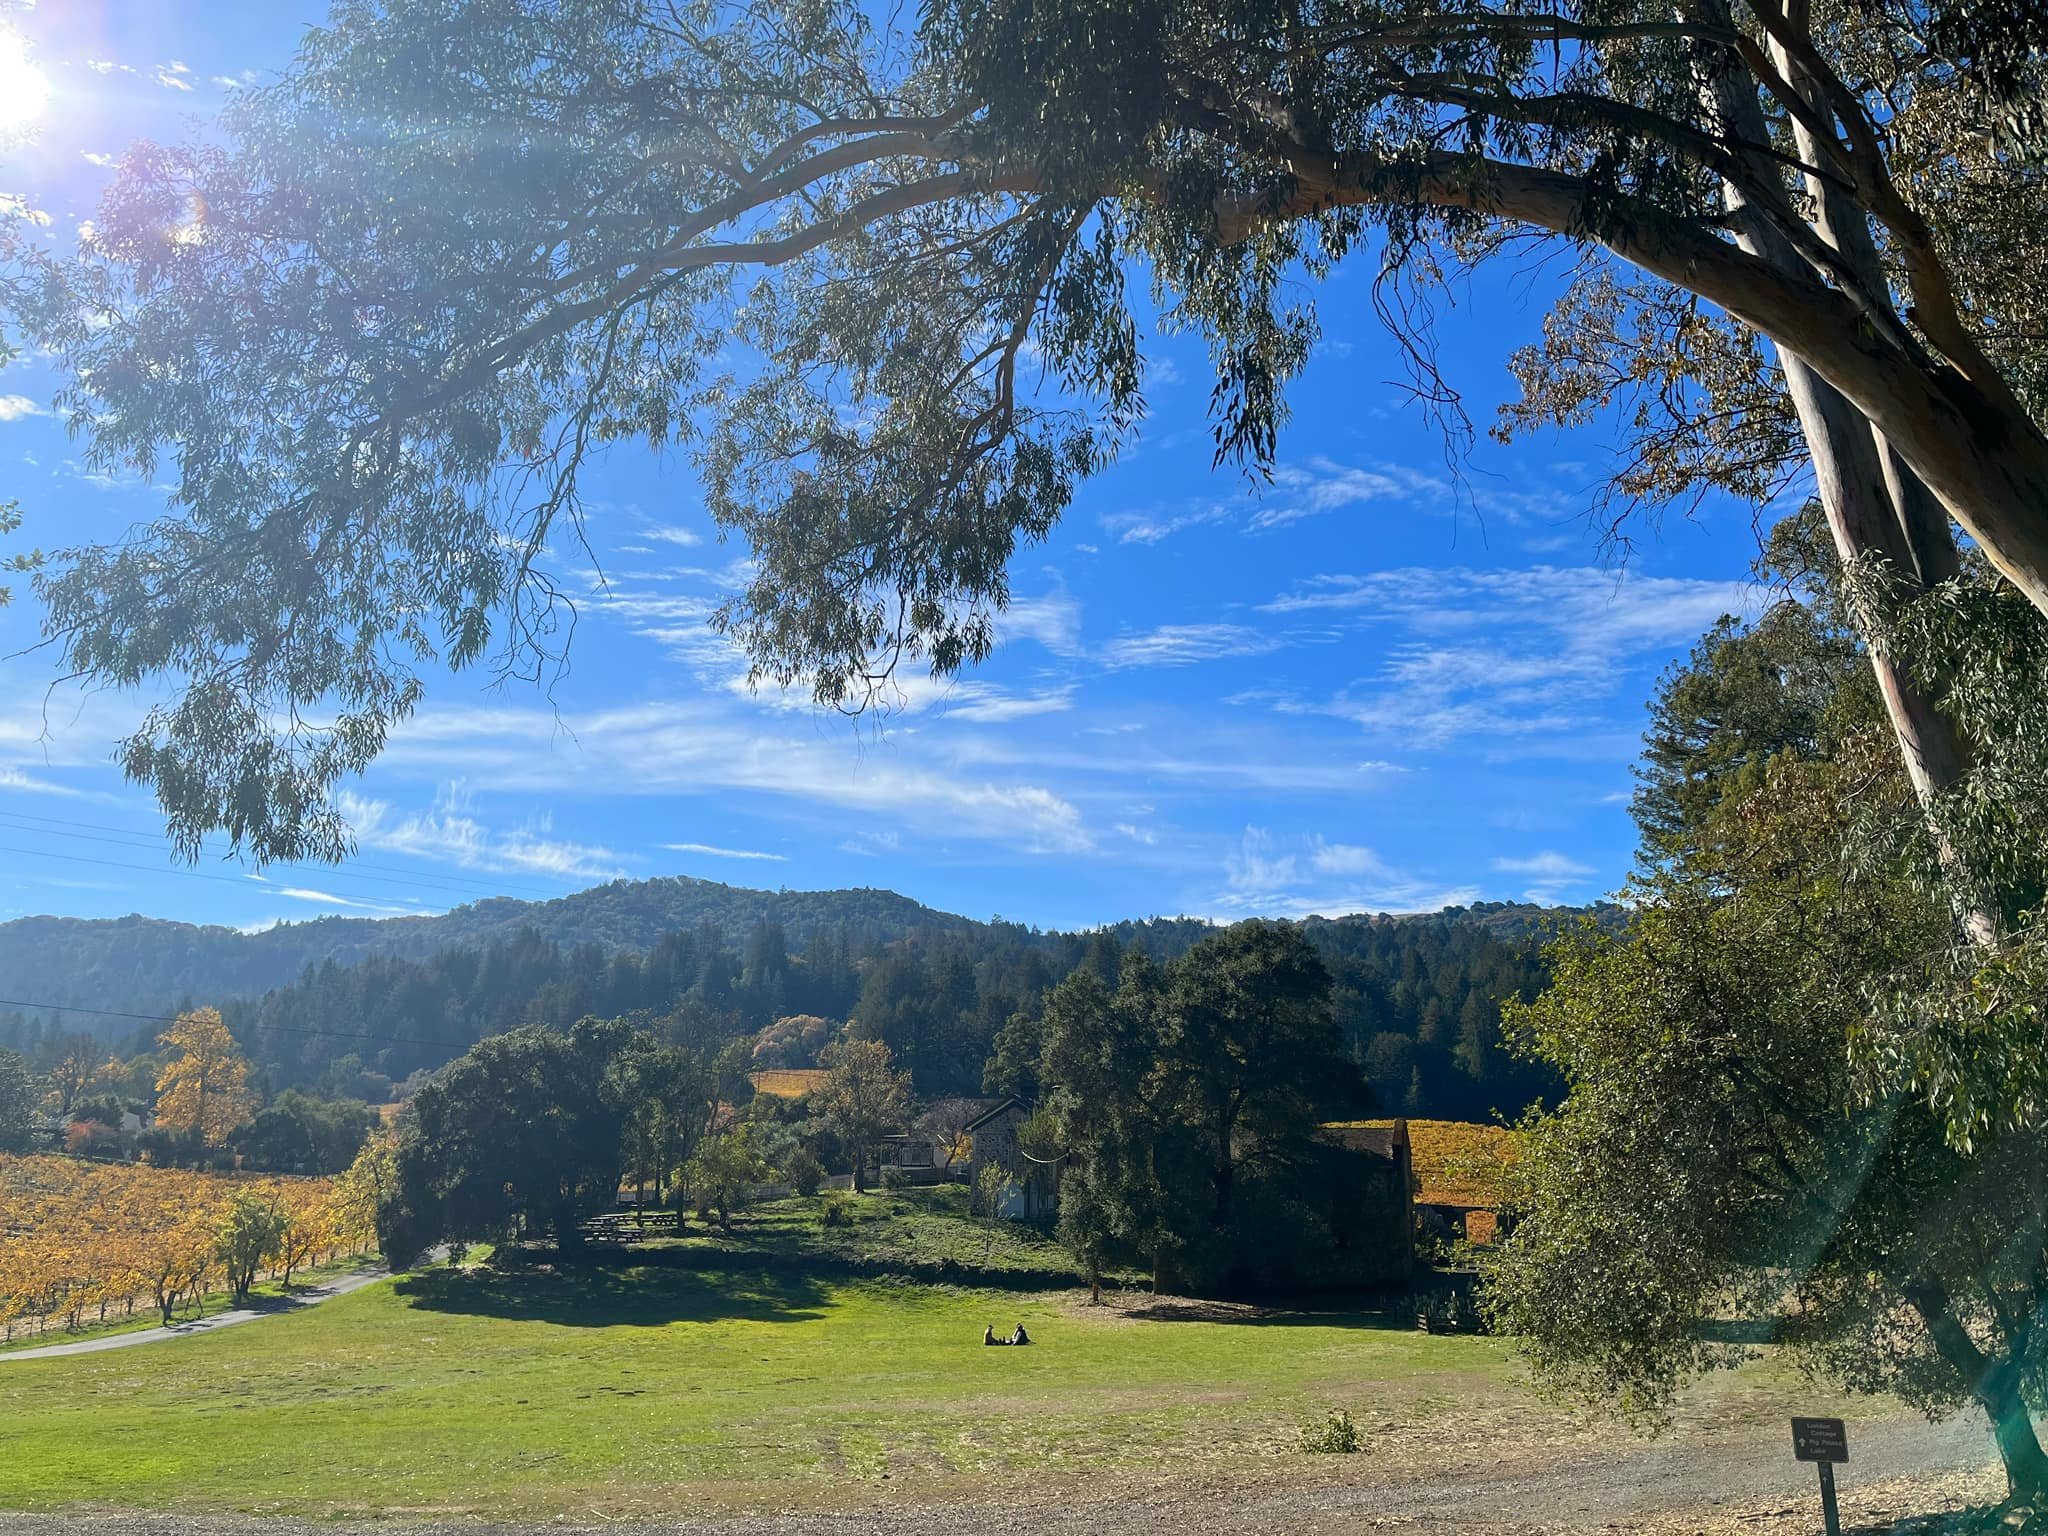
point(1876, 505)
point(1995, 1386)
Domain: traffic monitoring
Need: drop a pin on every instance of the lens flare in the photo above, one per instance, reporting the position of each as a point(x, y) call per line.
point(24, 92)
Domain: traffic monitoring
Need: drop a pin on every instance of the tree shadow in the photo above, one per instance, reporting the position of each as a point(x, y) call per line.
point(1190, 1309)
point(590, 1296)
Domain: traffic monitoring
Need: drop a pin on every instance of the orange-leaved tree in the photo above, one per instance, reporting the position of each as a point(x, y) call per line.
point(203, 1089)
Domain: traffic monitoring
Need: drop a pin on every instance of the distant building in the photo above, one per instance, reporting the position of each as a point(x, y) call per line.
point(1373, 1226)
point(1458, 1171)
point(1034, 1187)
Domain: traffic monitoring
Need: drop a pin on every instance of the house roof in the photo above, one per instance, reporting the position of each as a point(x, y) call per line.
point(1457, 1164)
point(1001, 1106)
point(1381, 1138)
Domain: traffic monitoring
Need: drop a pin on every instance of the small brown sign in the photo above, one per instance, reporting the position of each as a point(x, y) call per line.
point(1822, 1440)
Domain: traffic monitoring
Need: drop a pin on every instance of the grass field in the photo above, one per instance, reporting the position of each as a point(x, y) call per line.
point(145, 1316)
point(721, 1384)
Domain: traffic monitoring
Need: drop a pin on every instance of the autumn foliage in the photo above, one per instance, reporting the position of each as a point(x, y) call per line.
point(82, 1242)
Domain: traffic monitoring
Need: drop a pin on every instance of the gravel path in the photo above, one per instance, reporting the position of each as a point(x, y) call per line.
point(1743, 1483)
point(327, 1290)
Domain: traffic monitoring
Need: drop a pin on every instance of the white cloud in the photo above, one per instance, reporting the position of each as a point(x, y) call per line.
point(1173, 645)
point(1504, 654)
point(667, 534)
point(1548, 865)
point(1151, 527)
point(1265, 877)
point(104, 162)
point(1553, 875)
point(696, 747)
point(448, 833)
point(1052, 620)
point(28, 784)
point(17, 407)
point(173, 76)
point(986, 704)
point(725, 853)
point(100, 66)
point(348, 903)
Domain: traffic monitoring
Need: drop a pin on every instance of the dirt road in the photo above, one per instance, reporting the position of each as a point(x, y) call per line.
point(1740, 1481)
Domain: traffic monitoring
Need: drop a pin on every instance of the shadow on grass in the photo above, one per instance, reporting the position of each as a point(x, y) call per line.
point(733, 1253)
point(595, 1296)
point(1187, 1309)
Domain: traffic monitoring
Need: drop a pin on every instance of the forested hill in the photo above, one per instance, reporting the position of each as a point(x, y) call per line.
point(146, 964)
point(1417, 997)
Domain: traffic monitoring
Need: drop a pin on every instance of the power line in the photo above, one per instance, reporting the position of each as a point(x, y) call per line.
point(277, 1029)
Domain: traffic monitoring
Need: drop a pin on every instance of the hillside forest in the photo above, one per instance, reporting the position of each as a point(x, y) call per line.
point(1416, 999)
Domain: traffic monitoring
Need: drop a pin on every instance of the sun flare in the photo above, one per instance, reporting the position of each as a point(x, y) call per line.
point(24, 91)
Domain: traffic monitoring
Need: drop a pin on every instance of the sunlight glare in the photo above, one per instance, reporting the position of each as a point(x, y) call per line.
point(24, 92)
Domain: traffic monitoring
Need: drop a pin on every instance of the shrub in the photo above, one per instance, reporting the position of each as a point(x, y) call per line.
point(837, 1211)
point(894, 1178)
point(989, 1184)
point(1336, 1436)
point(804, 1172)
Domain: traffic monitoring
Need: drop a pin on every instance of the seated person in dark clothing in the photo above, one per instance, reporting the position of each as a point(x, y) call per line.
point(1020, 1336)
point(988, 1335)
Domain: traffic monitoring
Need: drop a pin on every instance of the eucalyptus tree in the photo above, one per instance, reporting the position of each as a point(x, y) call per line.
point(371, 338)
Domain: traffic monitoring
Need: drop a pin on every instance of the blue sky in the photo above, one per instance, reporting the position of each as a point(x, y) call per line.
point(1355, 689)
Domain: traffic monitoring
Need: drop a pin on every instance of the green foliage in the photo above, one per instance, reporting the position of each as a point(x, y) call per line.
point(673, 950)
point(1719, 1156)
point(19, 1120)
point(811, 251)
point(297, 1133)
point(803, 1171)
point(1336, 1435)
point(1186, 1104)
point(251, 1236)
point(724, 1171)
point(525, 1127)
point(863, 1099)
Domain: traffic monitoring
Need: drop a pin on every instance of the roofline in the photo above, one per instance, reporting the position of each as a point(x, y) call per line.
point(1013, 1102)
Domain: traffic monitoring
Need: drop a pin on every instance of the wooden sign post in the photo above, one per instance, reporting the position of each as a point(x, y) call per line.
point(1823, 1442)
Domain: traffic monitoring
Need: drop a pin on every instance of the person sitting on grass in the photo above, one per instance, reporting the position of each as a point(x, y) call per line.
point(1019, 1337)
point(988, 1335)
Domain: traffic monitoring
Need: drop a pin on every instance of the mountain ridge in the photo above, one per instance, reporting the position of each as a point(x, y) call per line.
point(141, 963)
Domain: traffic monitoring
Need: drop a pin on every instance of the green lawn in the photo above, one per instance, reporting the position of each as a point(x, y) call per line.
point(923, 1232)
point(145, 1316)
point(644, 1390)
point(727, 1377)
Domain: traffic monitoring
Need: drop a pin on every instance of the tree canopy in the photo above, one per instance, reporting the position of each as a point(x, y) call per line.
point(459, 246)
point(1739, 1143)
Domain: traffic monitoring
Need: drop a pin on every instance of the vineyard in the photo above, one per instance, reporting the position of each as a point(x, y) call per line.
point(82, 1242)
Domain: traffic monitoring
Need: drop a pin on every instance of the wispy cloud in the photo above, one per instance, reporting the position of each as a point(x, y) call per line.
point(709, 851)
point(668, 534)
point(1177, 645)
point(698, 747)
point(1267, 876)
point(19, 407)
point(29, 784)
point(1052, 620)
point(448, 833)
point(1552, 875)
point(1499, 653)
point(1149, 527)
